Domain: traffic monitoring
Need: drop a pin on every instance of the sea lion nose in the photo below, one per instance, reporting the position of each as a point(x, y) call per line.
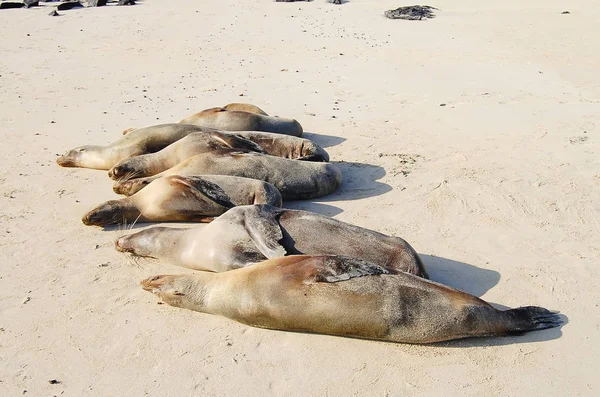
point(120, 244)
point(86, 220)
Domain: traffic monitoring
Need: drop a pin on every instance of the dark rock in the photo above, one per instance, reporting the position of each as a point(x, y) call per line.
point(31, 3)
point(126, 3)
point(96, 3)
point(53, 13)
point(565, 12)
point(11, 4)
point(411, 13)
point(69, 5)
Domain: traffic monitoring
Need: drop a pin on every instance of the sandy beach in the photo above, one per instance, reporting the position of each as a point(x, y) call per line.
point(473, 135)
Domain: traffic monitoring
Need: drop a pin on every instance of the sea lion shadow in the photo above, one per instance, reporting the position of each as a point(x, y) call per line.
point(359, 181)
point(319, 208)
point(459, 275)
point(477, 281)
point(323, 140)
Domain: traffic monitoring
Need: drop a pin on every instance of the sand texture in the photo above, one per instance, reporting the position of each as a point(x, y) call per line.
point(474, 136)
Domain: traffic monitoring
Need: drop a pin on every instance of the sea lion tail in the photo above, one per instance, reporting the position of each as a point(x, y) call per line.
point(530, 318)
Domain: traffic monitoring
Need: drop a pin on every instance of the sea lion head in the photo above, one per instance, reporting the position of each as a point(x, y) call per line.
point(122, 169)
point(75, 157)
point(147, 243)
point(108, 213)
point(129, 187)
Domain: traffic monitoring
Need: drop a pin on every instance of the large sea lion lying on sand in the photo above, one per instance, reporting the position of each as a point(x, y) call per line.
point(250, 234)
point(141, 141)
point(347, 297)
point(200, 142)
point(235, 120)
point(295, 180)
point(181, 198)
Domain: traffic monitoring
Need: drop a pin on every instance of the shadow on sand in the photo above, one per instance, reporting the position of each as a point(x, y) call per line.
point(359, 181)
point(323, 140)
point(459, 275)
point(476, 281)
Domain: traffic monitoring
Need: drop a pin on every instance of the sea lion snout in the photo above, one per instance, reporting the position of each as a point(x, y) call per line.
point(172, 289)
point(124, 169)
point(153, 283)
point(70, 158)
point(104, 214)
point(117, 171)
point(122, 246)
point(130, 187)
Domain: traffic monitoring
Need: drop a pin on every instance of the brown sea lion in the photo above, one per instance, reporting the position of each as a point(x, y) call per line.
point(347, 297)
point(181, 198)
point(249, 234)
point(141, 141)
point(295, 180)
point(244, 107)
point(235, 120)
point(195, 143)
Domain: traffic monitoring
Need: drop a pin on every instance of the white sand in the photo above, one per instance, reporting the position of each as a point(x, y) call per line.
point(503, 190)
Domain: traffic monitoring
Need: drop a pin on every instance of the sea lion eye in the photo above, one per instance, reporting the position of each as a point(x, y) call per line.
point(81, 150)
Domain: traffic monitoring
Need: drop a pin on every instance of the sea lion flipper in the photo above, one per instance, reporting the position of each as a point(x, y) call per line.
point(202, 189)
point(262, 226)
point(237, 142)
point(340, 268)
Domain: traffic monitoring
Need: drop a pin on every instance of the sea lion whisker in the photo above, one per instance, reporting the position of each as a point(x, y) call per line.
point(136, 219)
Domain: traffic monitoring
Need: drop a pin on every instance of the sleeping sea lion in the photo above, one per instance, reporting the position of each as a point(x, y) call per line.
point(244, 107)
point(181, 198)
point(141, 141)
point(195, 143)
point(295, 180)
point(347, 297)
point(249, 234)
point(235, 120)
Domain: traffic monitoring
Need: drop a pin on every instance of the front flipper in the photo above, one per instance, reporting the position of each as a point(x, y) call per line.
point(207, 198)
point(237, 142)
point(264, 230)
point(332, 269)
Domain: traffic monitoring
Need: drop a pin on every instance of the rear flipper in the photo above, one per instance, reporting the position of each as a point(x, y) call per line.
point(530, 318)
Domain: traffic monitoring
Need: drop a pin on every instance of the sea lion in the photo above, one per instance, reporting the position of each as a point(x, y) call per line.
point(296, 180)
point(249, 234)
point(181, 198)
point(347, 297)
point(286, 146)
point(141, 141)
point(195, 143)
point(244, 107)
point(235, 120)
